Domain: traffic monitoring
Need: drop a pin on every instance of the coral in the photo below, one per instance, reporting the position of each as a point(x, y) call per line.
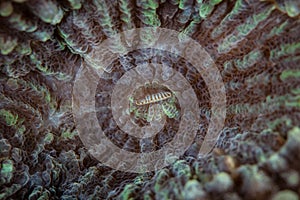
point(255, 46)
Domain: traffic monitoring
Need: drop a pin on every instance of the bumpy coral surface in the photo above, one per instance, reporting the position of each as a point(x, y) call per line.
point(255, 46)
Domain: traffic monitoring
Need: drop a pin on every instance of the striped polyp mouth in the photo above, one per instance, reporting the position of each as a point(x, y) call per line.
point(150, 102)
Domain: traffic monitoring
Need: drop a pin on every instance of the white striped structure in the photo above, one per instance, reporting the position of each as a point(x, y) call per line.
point(153, 98)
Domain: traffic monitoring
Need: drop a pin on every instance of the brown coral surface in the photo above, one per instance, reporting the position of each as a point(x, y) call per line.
point(255, 46)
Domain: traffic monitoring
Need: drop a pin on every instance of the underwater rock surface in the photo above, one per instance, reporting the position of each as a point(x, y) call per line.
point(255, 46)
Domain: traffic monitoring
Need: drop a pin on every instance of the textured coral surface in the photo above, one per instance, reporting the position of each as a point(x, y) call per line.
point(255, 46)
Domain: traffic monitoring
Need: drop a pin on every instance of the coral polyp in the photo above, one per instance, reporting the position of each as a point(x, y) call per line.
point(47, 45)
point(151, 101)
